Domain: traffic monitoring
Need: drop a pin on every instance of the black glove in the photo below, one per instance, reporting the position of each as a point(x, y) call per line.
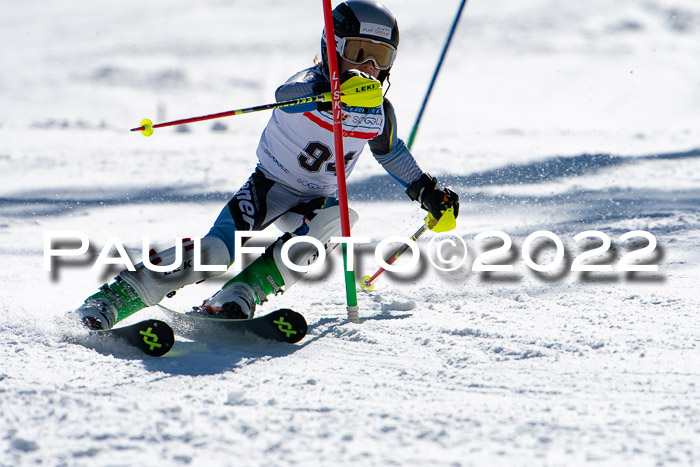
point(433, 199)
point(347, 74)
point(325, 86)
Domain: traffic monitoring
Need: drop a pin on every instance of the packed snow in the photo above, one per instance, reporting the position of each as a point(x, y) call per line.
point(566, 117)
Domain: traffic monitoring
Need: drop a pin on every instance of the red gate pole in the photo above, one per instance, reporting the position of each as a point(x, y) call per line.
point(350, 286)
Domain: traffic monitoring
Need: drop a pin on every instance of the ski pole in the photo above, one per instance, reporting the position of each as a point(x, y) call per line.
point(435, 74)
point(367, 282)
point(446, 222)
point(356, 91)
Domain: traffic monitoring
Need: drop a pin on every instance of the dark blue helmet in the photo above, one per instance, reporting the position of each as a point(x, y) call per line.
point(364, 30)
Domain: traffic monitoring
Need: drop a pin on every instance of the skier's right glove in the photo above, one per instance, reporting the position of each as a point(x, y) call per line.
point(325, 86)
point(433, 199)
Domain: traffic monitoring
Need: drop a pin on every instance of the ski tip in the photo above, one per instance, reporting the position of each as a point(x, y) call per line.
point(290, 326)
point(154, 337)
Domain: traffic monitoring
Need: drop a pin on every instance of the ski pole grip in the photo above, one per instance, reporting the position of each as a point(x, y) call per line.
point(446, 222)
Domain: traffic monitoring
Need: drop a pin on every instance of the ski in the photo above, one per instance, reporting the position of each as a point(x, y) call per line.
point(283, 325)
point(153, 337)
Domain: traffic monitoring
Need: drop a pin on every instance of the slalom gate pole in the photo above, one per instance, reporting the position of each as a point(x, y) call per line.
point(435, 74)
point(350, 287)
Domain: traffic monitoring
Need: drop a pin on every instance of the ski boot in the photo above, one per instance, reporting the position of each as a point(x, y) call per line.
point(268, 275)
point(239, 297)
point(112, 303)
point(134, 290)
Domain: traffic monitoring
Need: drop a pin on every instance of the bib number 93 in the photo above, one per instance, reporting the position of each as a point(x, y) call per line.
point(316, 155)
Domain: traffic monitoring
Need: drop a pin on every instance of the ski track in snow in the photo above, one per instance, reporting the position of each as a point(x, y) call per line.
point(546, 116)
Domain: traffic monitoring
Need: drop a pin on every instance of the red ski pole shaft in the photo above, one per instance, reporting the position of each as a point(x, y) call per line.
point(367, 282)
point(228, 113)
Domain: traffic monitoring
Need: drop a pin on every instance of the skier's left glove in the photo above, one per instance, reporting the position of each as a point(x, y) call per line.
point(433, 199)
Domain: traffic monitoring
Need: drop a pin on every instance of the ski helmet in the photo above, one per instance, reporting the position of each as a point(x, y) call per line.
point(365, 30)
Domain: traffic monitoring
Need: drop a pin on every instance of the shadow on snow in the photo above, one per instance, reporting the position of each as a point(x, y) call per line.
point(376, 188)
point(216, 356)
point(583, 206)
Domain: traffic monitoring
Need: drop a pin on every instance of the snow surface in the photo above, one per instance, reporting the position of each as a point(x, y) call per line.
point(548, 115)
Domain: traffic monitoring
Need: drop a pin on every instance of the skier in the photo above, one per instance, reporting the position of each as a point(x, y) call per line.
point(294, 183)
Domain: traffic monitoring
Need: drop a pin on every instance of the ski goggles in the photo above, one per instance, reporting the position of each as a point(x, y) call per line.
point(358, 50)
